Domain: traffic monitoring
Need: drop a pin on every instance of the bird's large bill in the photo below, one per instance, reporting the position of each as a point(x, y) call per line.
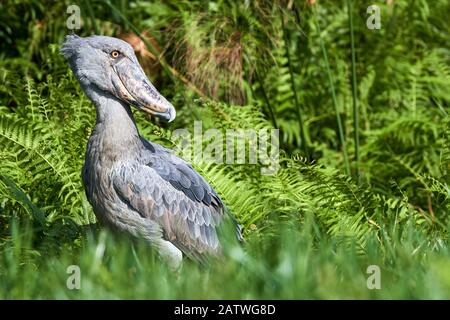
point(135, 88)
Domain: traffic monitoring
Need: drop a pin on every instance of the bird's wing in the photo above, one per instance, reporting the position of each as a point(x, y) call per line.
point(168, 190)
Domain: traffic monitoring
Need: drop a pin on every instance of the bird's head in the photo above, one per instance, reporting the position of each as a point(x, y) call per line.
point(110, 65)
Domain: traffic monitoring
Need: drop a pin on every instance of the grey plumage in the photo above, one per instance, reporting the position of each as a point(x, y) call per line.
point(134, 185)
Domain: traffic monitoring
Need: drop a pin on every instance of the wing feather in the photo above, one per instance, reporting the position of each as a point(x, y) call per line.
point(168, 190)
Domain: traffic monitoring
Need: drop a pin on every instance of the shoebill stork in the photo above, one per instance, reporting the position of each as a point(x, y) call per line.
point(136, 186)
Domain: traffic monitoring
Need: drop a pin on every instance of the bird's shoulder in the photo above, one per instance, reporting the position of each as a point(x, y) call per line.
point(180, 174)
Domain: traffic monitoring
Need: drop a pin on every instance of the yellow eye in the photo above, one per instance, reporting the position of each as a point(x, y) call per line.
point(115, 54)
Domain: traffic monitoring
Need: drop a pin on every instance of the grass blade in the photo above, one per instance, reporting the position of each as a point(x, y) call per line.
point(333, 94)
point(291, 73)
point(354, 88)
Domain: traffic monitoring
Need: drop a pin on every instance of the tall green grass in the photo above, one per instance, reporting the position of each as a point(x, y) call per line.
point(299, 262)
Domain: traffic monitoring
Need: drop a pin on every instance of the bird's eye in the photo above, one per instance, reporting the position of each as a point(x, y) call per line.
point(115, 54)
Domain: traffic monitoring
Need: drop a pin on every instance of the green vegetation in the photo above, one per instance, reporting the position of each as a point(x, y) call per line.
point(364, 139)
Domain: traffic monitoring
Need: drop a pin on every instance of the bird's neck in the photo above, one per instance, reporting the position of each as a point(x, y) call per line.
point(115, 132)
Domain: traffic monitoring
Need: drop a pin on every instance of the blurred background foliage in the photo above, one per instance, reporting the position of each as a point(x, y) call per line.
point(365, 149)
